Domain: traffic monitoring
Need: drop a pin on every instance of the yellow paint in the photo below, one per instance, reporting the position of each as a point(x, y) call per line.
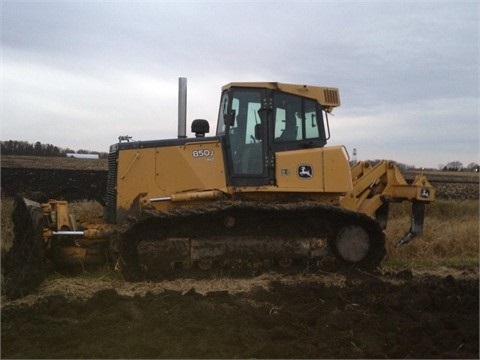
point(329, 167)
point(166, 171)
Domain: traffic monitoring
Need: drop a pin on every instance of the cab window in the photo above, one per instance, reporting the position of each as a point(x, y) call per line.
point(222, 113)
point(296, 119)
point(245, 144)
point(312, 128)
point(288, 118)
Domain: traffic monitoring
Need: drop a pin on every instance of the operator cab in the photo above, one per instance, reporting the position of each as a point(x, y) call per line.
point(257, 120)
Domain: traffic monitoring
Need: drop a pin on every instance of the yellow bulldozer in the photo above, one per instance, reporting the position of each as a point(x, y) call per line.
point(265, 190)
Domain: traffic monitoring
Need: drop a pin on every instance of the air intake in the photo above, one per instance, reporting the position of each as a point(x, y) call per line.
point(331, 96)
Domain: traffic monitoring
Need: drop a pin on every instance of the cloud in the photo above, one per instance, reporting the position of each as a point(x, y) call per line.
point(408, 72)
point(435, 131)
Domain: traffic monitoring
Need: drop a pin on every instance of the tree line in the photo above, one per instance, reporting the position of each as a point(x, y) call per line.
point(15, 147)
point(458, 166)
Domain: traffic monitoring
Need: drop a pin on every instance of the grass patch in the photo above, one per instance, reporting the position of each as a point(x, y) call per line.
point(95, 272)
point(6, 224)
point(429, 264)
point(450, 238)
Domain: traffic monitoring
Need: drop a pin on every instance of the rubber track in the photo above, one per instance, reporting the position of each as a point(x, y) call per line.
point(256, 219)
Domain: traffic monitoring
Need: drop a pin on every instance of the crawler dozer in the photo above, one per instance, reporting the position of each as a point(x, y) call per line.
point(265, 190)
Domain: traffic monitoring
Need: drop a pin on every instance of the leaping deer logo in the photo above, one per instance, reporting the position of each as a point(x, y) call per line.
point(305, 171)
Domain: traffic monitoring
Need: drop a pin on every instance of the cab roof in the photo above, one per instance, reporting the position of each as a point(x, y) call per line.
point(328, 97)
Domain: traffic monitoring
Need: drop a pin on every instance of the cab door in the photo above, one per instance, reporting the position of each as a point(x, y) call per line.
point(246, 138)
point(297, 137)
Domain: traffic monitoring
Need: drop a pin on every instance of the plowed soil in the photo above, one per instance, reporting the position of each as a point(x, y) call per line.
point(339, 315)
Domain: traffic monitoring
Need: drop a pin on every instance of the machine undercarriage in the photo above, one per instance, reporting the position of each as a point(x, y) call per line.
point(233, 234)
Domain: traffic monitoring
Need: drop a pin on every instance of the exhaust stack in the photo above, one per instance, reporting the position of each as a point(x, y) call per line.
point(182, 107)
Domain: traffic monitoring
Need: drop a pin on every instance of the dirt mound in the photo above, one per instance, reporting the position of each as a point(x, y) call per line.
point(354, 315)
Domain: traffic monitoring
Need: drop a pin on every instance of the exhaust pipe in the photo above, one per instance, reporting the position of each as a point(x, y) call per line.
point(182, 107)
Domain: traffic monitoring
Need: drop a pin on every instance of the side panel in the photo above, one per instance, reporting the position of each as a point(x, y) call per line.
point(163, 171)
point(135, 177)
point(300, 169)
point(318, 170)
point(193, 166)
point(336, 169)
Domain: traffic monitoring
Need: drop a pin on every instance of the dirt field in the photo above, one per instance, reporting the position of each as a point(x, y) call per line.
point(43, 162)
point(314, 313)
point(323, 315)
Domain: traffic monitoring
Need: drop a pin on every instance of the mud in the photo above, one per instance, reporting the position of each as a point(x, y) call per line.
point(348, 315)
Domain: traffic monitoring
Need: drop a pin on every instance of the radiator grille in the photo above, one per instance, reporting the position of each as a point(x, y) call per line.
point(111, 197)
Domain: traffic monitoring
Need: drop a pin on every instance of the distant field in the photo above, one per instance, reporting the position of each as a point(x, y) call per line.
point(43, 162)
point(444, 176)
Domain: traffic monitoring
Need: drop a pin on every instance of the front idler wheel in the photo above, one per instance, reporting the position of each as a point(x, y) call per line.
point(351, 244)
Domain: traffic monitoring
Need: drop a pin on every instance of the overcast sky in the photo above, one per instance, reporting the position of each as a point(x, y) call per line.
point(78, 74)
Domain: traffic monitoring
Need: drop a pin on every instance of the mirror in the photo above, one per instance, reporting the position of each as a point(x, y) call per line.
point(259, 132)
point(229, 118)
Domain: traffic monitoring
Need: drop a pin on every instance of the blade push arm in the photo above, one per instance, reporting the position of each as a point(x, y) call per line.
point(375, 186)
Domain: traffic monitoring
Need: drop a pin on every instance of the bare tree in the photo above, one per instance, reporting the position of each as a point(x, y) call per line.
point(473, 166)
point(454, 166)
